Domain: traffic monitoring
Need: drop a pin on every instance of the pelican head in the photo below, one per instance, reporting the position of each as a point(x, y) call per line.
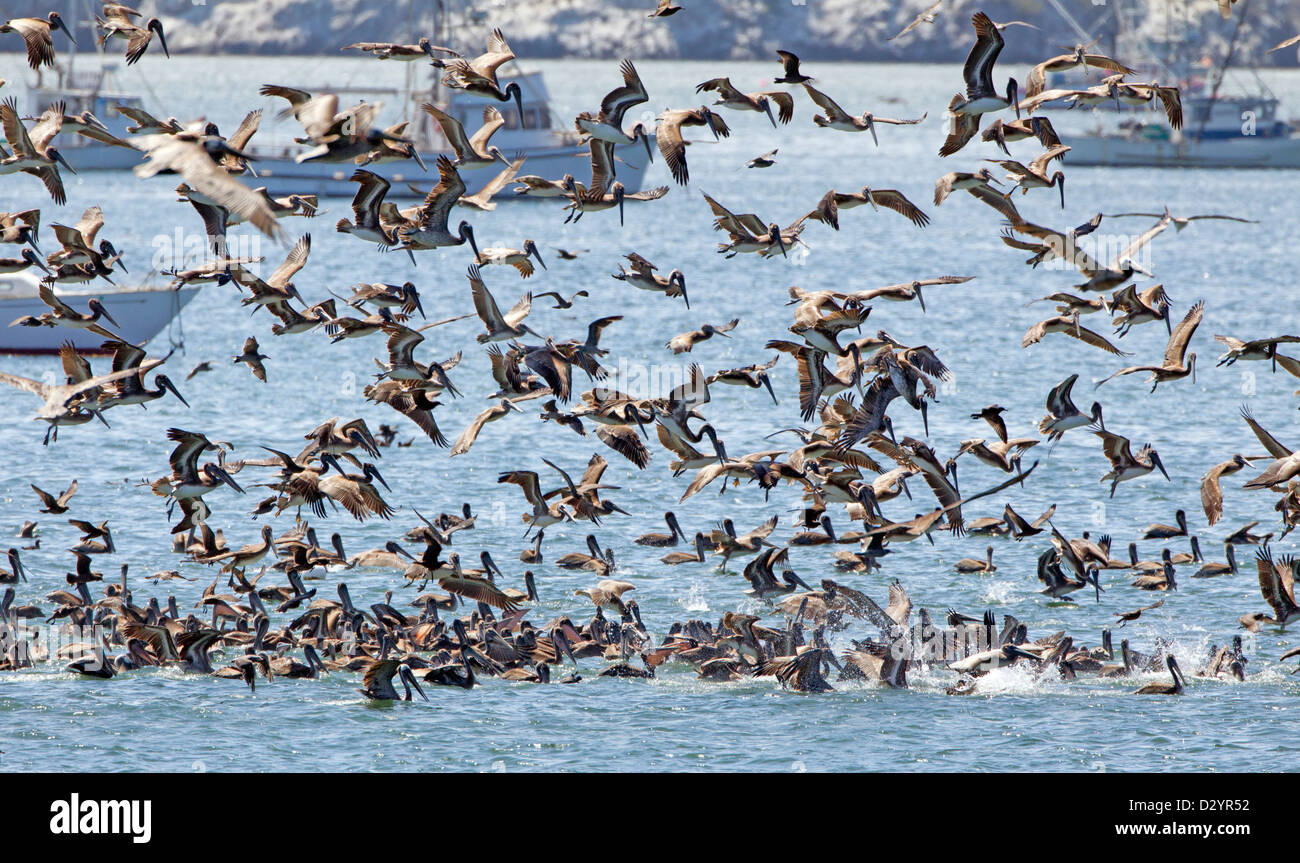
point(32, 258)
point(530, 248)
point(165, 383)
point(678, 278)
point(619, 193)
point(219, 474)
point(98, 308)
point(410, 294)
point(408, 680)
point(156, 26)
point(869, 123)
point(57, 22)
point(774, 235)
point(1157, 463)
point(371, 473)
point(639, 131)
point(916, 289)
point(396, 549)
point(1095, 411)
point(54, 154)
point(111, 255)
point(466, 234)
point(512, 89)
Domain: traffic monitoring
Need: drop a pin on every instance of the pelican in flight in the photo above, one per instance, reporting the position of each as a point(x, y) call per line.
point(981, 96)
point(479, 76)
point(607, 125)
point(37, 33)
point(730, 97)
point(836, 117)
point(119, 23)
point(1125, 465)
point(1178, 363)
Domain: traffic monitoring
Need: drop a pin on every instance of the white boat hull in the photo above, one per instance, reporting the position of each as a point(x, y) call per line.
point(142, 313)
point(1115, 151)
point(284, 176)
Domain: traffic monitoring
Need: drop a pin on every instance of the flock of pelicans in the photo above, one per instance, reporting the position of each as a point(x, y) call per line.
point(848, 462)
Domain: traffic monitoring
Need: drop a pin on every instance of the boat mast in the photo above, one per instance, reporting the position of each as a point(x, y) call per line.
point(1223, 67)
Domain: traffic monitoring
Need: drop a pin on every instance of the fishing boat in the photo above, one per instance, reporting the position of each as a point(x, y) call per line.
point(548, 149)
point(1239, 127)
point(550, 145)
point(143, 312)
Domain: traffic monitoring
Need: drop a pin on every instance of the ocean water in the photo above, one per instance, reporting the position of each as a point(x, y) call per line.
point(164, 720)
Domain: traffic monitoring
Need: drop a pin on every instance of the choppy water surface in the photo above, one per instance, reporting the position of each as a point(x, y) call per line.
point(50, 720)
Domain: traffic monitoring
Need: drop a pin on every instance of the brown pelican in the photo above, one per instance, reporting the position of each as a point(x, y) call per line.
point(669, 136)
point(377, 682)
point(1062, 415)
point(252, 357)
point(1277, 584)
point(398, 51)
point(118, 23)
point(36, 33)
point(608, 124)
point(33, 150)
point(53, 505)
point(1034, 175)
point(471, 152)
point(1177, 363)
point(479, 76)
point(1126, 465)
point(1037, 79)
point(1159, 688)
point(730, 97)
point(981, 96)
point(971, 564)
point(429, 229)
point(835, 117)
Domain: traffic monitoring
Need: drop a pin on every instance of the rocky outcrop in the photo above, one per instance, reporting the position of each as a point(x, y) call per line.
point(737, 29)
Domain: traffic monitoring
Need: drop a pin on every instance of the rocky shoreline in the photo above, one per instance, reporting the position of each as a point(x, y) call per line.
point(723, 29)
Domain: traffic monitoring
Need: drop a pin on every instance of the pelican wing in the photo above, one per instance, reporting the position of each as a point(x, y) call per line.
point(898, 202)
point(15, 131)
point(492, 121)
point(1274, 447)
point(1182, 334)
point(978, 71)
point(293, 262)
point(442, 197)
point(618, 100)
point(189, 159)
point(834, 113)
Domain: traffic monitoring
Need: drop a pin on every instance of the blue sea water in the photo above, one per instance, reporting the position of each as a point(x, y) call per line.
point(165, 720)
